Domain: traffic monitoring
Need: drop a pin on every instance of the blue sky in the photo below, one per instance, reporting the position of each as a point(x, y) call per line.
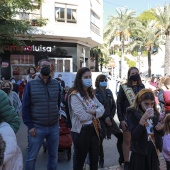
point(137, 5)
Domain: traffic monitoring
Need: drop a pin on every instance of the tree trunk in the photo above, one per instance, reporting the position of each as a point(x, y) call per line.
point(149, 62)
point(122, 60)
point(96, 63)
point(167, 56)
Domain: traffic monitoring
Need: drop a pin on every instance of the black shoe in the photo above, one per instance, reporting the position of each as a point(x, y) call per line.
point(101, 163)
point(127, 166)
point(121, 160)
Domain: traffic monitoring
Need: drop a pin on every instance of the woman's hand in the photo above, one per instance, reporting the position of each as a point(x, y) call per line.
point(108, 121)
point(91, 111)
point(159, 126)
point(123, 125)
point(148, 113)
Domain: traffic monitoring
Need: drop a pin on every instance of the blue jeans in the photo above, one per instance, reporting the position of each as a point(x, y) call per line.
point(52, 137)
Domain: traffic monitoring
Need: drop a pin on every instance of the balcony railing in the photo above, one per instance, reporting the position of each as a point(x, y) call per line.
point(28, 16)
point(94, 28)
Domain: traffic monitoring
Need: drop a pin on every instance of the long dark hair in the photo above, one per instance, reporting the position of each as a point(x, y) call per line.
point(78, 84)
point(28, 71)
point(129, 81)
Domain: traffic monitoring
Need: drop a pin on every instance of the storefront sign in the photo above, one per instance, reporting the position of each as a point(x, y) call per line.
point(35, 48)
point(5, 64)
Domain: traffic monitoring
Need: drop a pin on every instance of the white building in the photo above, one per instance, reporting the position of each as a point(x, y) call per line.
point(73, 27)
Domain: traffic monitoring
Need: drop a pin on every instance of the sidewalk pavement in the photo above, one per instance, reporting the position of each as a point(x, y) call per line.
point(161, 159)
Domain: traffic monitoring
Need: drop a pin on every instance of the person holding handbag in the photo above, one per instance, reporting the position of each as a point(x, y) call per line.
point(125, 98)
point(108, 125)
point(84, 109)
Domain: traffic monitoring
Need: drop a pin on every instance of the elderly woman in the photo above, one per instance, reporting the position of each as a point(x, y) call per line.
point(13, 96)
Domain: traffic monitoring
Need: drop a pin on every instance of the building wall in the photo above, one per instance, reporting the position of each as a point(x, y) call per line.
point(82, 29)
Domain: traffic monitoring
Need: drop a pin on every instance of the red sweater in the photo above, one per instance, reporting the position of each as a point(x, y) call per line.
point(166, 95)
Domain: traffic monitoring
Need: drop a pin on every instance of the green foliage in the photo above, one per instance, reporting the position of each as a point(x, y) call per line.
point(131, 63)
point(147, 16)
point(10, 26)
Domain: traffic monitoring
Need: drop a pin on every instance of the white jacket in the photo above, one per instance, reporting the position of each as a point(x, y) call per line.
point(78, 114)
point(13, 159)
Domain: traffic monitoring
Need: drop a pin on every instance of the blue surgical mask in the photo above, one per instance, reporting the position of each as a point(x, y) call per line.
point(103, 84)
point(87, 82)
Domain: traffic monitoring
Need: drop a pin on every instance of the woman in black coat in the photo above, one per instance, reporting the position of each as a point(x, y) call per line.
point(146, 132)
point(107, 122)
point(135, 84)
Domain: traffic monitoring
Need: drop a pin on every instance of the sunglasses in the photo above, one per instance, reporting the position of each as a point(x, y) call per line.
point(103, 80)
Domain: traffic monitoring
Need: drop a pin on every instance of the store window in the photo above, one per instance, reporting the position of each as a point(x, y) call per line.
point(20, 65)
point(61, 64)
point(65, 13)
point(22, 59)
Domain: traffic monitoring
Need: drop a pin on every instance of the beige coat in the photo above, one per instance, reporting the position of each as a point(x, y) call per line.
point(78, 114)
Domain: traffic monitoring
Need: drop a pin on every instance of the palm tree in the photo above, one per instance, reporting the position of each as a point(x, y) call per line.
point(147, 38)
point(95, 53)
point(163, 16)
point(101, 56)
point(123, 25)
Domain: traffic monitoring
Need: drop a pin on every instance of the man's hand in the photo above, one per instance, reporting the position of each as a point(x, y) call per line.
point(33, 132)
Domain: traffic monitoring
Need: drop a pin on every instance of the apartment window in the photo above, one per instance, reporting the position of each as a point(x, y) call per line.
point(95, 19)
point(95, 23)
point(66, 13)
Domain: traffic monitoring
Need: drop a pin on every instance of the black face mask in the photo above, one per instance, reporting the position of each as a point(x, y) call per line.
point(45, 71)
point(6, 90)
point(134, 77)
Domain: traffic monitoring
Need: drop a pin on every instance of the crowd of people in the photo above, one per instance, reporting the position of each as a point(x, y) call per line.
point(142, 106)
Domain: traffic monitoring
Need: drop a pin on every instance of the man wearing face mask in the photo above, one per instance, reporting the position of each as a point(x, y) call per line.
point(40, 112)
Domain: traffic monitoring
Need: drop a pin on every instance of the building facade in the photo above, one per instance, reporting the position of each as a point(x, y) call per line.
point(73, 27)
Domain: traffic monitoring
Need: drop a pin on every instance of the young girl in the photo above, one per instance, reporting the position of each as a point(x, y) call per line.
point(146, 132)
point(166, 141)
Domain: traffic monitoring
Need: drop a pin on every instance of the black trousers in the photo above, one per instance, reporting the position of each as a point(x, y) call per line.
point(167, 165)
point(85, 142)
point(119, 137)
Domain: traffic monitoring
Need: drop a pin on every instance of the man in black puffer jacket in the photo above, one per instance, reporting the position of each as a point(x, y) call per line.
point(41, 102)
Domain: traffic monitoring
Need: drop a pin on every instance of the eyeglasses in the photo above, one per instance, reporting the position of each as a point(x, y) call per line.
point(103, 80)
